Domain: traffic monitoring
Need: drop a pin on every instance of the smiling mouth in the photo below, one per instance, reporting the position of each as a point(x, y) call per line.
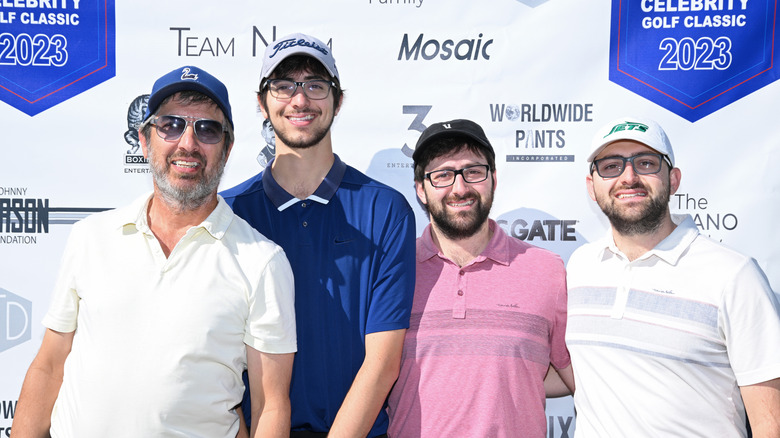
point(632, 195)
point(301, 118)
point(189, 164)
point(461, 204)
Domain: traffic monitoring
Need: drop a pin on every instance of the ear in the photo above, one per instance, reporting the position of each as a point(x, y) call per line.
point(262, 109)
point(420, 188)
point(144, 146)
point(338, 108)
point(674, 180)
point(589, 185)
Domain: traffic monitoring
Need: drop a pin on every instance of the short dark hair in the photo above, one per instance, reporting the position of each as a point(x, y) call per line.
point(297, 64)
point(447, 146)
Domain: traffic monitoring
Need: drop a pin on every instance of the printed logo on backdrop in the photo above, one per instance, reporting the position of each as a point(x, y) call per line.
point(540, 136)
point(693, 57)
point(427, 48)
point(714, 224)
point(53, 50)
point(415, 3)
point(135, 162)
point(15, 317)
point(542, 229)
point(24, 218)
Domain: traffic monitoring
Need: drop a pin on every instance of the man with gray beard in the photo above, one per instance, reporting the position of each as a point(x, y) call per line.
point(159, 350)
point(670, 333)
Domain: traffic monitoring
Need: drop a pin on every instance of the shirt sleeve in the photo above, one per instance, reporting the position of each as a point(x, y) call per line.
point(750, 325)
point(64, 307)
point(559, 354)
point(393, 289)
point(271, 323)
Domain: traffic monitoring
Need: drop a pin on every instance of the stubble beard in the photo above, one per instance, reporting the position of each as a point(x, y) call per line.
point(644, 220)
point(461, 225)
point(186, 198)
point(302, 142)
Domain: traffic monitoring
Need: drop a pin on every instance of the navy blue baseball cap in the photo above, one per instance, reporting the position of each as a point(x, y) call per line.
point(189, 78)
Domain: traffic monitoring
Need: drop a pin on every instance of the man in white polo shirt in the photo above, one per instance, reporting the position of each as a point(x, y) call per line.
point(670, 333)
point(157, 349)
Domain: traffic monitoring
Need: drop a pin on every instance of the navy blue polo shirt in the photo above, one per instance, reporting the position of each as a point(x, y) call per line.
point(351, 246)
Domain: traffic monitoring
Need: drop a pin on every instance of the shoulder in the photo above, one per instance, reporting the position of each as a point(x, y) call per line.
point(249, 189)
point(520, 248)
point(370, 196)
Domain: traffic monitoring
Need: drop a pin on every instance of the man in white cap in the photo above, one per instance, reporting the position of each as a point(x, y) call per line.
point(670, 333)
point(160, 351)
point(350, 241)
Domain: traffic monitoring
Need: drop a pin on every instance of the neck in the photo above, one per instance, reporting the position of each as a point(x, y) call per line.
point(462, 251)
point(169, 222)
point(636, 245)
point(301, 171)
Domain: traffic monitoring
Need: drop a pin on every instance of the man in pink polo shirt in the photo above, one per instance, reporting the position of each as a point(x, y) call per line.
point(489, 313)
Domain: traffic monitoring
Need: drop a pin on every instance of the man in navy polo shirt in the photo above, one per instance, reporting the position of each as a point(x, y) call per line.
point(350, 241)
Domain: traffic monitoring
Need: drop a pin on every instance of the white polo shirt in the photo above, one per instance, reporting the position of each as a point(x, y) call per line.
point(660, 345)
point(160, 342)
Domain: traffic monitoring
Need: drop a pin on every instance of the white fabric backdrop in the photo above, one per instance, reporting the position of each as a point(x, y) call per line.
point(540, 53)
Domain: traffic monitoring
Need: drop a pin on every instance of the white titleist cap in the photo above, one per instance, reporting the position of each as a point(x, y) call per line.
point(645, 131)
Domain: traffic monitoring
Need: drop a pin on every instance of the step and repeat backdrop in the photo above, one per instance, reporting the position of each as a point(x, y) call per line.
point(539, 76)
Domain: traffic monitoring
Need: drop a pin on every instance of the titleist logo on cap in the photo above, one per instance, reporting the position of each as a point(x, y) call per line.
point(286, 44)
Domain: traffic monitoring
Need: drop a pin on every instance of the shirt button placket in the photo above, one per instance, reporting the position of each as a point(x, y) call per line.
point(459, 306)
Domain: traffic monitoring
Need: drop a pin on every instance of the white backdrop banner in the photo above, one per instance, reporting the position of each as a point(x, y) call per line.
point(539, 76)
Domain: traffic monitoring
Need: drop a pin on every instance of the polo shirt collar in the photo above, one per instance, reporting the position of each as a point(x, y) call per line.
point(216, 223)
point(670, 249)
point(281, 199)
point(496, 250)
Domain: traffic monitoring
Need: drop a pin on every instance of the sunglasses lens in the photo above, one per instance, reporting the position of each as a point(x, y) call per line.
point(208, 131)
point(170, 127)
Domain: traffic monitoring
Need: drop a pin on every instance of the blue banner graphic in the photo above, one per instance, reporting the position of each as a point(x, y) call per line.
point(52, 50)
point(693, 57)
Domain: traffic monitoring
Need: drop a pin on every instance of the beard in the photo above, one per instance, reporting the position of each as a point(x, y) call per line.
point(187, 197)
point(302, 142)
point(641, 219)
point(464, 224)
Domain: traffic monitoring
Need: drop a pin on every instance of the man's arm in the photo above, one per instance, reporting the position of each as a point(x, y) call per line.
point(371, 385)
point(559, 383)
point(41, 386)
point(269, 384)
point(762, 403)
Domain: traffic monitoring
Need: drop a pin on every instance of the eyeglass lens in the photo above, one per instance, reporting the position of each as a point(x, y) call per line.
point(446, 177)
point(284, 89)
point(170, 128)
point(643, 164)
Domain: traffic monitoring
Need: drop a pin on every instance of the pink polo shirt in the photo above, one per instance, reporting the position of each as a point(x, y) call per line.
point(480, 341)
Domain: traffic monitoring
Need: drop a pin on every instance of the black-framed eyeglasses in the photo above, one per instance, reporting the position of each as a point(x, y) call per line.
point(171, 127)
point(643, 164)
point(446, 177)
point(316, 89)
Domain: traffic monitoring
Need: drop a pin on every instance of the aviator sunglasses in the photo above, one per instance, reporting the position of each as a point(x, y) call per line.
point(171, 127)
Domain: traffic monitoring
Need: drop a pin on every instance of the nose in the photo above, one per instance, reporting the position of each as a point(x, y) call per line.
point(629, 174)
point(188, 139)
point(460, 185)
point(299, 98)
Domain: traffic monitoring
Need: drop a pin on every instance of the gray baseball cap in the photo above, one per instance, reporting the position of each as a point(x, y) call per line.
point(297, 44)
